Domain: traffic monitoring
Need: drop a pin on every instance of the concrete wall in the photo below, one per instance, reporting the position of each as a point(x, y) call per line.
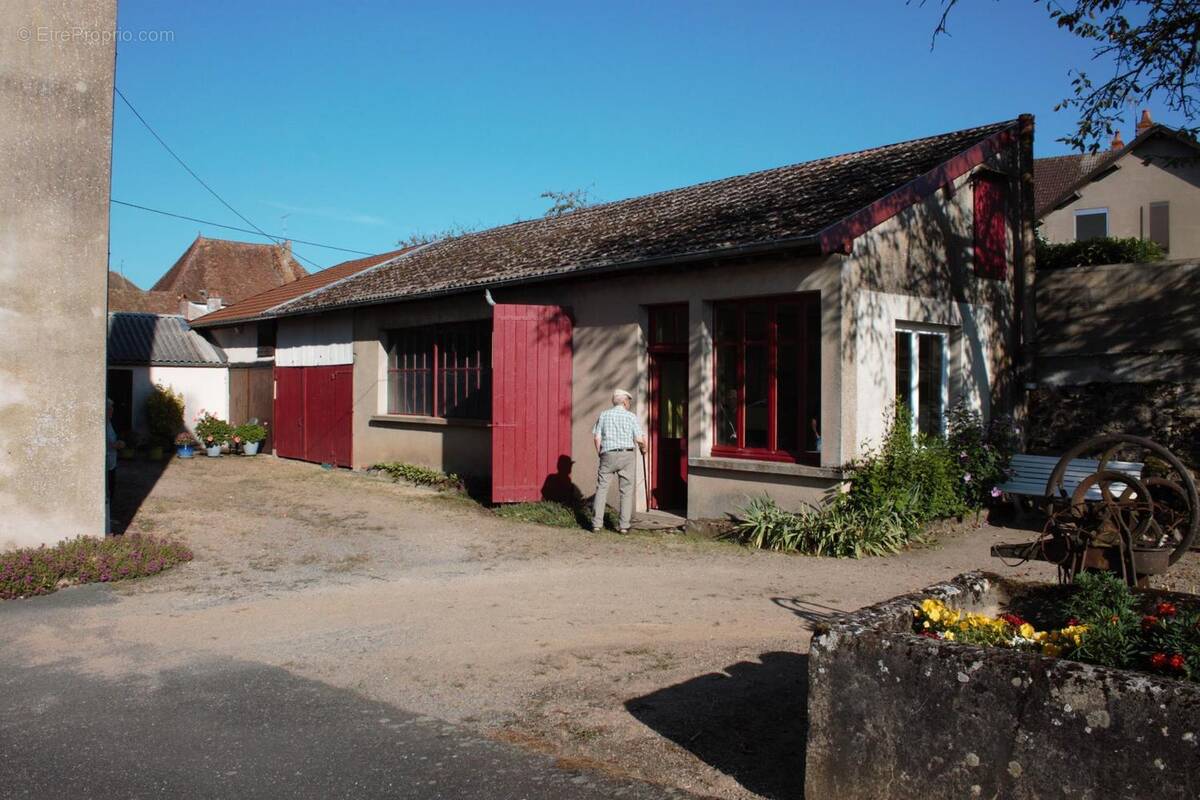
point(203, 389)
point(55, 158)
point(918, 268)
point(1160, 169)
point(240, 343)
point(1119, 322)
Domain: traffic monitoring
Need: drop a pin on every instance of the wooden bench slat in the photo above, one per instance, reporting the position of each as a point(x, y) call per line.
point(1030, 474)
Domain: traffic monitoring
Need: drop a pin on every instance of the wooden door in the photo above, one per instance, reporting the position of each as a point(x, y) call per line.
point(667, 346)
point(531, 400)
point(289, 412)
point(328, 414)
point(120, 391)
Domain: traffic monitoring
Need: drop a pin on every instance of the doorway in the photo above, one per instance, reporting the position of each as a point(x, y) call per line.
point(668, 407)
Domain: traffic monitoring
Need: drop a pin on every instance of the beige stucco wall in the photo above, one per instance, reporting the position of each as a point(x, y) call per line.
point(917, 268)
point(610, 333)
point(55, 157)
point(1159, 170)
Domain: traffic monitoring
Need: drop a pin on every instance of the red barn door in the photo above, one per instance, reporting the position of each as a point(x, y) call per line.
point(289, 412)
point(531, 401)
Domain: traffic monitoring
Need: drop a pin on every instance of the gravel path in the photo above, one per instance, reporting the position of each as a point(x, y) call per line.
point(658, 657)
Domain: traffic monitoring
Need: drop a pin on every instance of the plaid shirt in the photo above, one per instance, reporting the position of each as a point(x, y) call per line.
point(617, 429)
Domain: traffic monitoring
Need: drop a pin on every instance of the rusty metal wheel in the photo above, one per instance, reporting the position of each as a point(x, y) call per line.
point(1121, 517)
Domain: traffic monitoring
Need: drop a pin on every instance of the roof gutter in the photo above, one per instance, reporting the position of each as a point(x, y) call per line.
point(808, 245)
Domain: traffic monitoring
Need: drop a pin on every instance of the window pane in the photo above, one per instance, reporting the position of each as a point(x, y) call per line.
point(904, 369)
point(727, 395)
point(787, 411)
point(787, 319)
point(1093, 225)
point(1160, 224)
point(726, 322)
point(757, 381)
point(812, 379)
point(668, 325)
point(929, 385)
point(756, 322)
point(672, 401)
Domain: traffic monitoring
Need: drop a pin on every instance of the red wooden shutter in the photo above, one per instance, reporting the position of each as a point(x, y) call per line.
point(531, 399)
point(991, 230)
point(328, 414)
point(289, 412)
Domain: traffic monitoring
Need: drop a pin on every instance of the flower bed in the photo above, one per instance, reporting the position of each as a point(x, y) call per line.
point(34, 571)
point(977, 705)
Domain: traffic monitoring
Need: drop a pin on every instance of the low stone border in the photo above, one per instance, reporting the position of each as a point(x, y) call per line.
point(896, 715)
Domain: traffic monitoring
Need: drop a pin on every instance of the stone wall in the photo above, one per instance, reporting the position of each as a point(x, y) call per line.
point(900, 716)
point(1062, 416)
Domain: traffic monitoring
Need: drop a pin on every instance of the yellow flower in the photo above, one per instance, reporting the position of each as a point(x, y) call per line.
point(949, 636)
point(1026, 631)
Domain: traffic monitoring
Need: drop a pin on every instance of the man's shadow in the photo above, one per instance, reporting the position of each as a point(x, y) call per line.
point(750, 721)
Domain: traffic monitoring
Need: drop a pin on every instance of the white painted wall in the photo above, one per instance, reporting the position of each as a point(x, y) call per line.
point(972, 329)
point(240, 343)
point(203, 389)
point(315, 341)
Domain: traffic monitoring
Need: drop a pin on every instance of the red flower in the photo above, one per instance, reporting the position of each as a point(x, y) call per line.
point(929, 635)
point(1072, 622)
point(1149, 621)
point(1158, 660)
point(1177, 662)
point(1012, 619)
point(1165, 609)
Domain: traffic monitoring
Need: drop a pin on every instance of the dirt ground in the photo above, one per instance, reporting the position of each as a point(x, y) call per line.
point(675, 660)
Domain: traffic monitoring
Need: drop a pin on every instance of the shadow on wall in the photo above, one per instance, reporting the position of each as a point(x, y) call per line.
point(749, 722)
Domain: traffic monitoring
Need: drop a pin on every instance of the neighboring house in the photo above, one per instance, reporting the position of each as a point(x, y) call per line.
point(1149, 189)
point(124, 295)
point(145, 349)
point(216, 272)
point(765, 324)
point(253, 345)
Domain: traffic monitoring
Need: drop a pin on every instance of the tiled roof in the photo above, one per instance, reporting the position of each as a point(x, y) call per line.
point(1055, 176)
point(253, 307)
point(761, 208)
point(229, 270)
point(162, 339)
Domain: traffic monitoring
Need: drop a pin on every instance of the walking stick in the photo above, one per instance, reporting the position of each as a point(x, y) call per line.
point(646, 479)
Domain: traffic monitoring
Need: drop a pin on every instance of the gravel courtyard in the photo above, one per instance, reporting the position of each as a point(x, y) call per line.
point(658, 657)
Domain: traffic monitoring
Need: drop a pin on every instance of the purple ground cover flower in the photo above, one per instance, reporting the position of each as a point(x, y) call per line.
point(42, 570)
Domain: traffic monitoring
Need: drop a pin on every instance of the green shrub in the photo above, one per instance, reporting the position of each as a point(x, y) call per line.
point(164, 414)
point(834, 530)
point(250, 433)
point(418, 475)
point(34, 571)
point(212, 430)
point(1093, 252)
point(982, 453)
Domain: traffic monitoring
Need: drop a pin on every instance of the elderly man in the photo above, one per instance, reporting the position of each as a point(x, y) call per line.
point(617, 432)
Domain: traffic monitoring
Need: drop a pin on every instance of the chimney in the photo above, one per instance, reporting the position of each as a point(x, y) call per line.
point(213, 303)
point(1117, 141)
point(1145, 123)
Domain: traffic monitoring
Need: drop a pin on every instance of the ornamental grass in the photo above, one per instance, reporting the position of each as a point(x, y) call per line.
point(32, 571)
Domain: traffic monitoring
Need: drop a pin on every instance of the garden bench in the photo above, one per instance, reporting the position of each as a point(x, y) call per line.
point(1030, 474)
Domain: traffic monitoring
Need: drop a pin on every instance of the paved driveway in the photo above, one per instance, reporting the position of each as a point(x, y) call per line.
point(342, 636)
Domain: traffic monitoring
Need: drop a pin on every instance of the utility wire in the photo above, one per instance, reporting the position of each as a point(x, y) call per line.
point(234, 228)
point(200, 180)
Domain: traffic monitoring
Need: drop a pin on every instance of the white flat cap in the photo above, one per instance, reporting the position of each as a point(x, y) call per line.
point(620, 394)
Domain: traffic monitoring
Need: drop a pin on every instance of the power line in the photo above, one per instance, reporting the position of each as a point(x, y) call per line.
point(234, 228)
point(200, 180)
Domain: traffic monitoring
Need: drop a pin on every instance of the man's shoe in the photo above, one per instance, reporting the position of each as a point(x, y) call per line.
point(623, 530)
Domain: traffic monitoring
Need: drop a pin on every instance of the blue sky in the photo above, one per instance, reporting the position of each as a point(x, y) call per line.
point(354, 124)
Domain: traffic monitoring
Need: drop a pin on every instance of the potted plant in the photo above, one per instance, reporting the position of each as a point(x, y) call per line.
point(249, 436)
point(164, 415)
point(185, 445)
point(213, 433)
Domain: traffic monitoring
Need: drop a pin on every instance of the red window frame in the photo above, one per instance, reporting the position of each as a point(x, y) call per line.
point(808, 369)
point(991, 227)
point(441, 371)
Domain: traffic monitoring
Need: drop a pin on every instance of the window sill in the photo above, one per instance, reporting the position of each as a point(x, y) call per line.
point(432, 422)
point(768, 467)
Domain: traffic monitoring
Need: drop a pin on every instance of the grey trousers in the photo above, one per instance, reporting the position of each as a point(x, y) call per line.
point(624, 466)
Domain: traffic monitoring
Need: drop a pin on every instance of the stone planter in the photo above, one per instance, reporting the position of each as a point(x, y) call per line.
point(250, 448)
point(896, 715)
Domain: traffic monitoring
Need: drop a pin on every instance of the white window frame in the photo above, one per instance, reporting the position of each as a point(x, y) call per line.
point(911, 392)
point(1090, 212)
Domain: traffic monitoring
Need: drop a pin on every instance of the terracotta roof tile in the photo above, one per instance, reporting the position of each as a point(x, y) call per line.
point(1055, 176)
point(252, 307)
point(229, 270)
point(760, 208)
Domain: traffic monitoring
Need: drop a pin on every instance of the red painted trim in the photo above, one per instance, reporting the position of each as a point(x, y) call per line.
point(839, 237)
